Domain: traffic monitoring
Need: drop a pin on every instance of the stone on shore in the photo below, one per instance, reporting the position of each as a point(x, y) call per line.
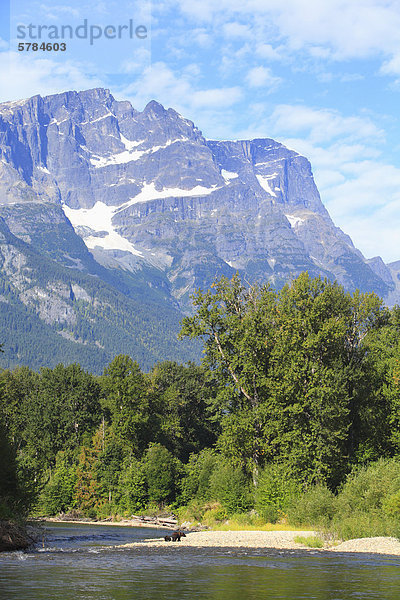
point(13, 537)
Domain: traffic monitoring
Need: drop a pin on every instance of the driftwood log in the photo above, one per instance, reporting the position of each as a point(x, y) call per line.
point(169, 522)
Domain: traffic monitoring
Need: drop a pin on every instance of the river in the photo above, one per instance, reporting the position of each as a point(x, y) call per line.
point(78, 562)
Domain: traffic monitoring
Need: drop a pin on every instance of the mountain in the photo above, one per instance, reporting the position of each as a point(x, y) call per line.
point(110, 218)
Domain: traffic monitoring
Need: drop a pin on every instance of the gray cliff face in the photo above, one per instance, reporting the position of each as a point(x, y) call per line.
point(51, 314)
point(90, 182)
point(394, 295)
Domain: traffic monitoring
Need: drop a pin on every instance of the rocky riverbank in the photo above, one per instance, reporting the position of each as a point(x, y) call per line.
point(376, 545)
point(14, 536)
point(278, 540)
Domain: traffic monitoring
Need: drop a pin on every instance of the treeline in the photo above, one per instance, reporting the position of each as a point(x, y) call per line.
point(95, 330)
point(298, 388)
point(107, 443)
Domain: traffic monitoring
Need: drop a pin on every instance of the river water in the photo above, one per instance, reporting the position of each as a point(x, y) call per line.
point(78, 562)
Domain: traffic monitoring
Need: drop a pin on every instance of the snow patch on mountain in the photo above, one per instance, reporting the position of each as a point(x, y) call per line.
point(99, 219)
point(149, 192)
point(264, 182)
point(115, 159)
point(129, 144)
point(128, 155)
point(293, 220)
point(228, 175)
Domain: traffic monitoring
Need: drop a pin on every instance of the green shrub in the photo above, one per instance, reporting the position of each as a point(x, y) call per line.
point(274, 492)
point(366, 489)
point(217, 513)
point(198, 471)
point(270, 513)
point(91, 513)
point(247, 519)
point(391, 504)
point(315, 507)
point(193, 512)
point(363, 524)
point(108, 509)
point(163, 474)
point(368, 504)
point(132, 486)
point(59, 492)
point(230, 487)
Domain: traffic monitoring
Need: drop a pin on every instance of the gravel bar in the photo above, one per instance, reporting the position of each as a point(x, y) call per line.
point(279, 540)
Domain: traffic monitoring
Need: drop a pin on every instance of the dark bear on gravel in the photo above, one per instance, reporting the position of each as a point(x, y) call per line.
point(167, 538)
point(176, 536)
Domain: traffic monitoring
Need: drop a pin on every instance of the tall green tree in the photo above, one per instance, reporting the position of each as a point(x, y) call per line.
point(293, 371)
point(163, 473)
point(17, 488)
point(111, 461)
point(383, 348)
point(75, 394)
point(87, 494)
point(16, 388)
point(236, 324)
point(58, 494)
point(9, 489)
point(128, 401)
point(59, 412)
point(183, 396)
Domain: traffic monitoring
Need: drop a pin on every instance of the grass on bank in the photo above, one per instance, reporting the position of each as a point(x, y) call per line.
point(233, 525)
point(311, 541)
point(214, 516)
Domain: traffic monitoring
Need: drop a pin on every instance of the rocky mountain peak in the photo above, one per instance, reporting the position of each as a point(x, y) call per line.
point(154, 110)
point(143, 192)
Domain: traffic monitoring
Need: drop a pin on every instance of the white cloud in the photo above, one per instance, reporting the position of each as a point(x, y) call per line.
point(136, 61)
point(262, 77)
point(328, 29)
point(216, 98)
point(354, 29)
point(392, 66)
point(268, 52)
point(23, 75)
point(367, 189)
point(322, 125)
point(55, 12)
point(379, 238)
point(192, 70)
point(201, 37)
point(351, 77)
point(236, 30)
point(359, 188)
point(159, 82)
point(233, 60)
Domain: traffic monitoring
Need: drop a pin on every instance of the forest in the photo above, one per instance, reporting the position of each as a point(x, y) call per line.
point(293, 415)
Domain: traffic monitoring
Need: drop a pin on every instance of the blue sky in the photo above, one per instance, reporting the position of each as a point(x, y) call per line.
point(322, 76)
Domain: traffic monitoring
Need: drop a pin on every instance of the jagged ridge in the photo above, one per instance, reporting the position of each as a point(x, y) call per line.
point(155, 206)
